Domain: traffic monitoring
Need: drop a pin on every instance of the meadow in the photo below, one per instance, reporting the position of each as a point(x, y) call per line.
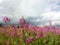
point(29, 35)
point(11, 35)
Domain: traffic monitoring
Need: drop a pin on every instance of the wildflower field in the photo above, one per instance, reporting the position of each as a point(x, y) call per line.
point(29, 22)
point(28, 36)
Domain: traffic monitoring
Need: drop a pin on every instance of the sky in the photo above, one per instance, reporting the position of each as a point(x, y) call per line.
point(42, 10)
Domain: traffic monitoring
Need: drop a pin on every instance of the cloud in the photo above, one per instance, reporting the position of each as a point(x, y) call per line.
point(26, 8)
point(0, 1)
point(44, 9)
point(53, 15)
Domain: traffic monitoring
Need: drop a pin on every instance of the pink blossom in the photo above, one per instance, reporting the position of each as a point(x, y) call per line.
point(25, 25)
point(22, 21)
point(38, 35)
point(45, 31)
point(52, 30)
point(13, 33)
point(32, 39)
point(6, 19)
point(28, 40)
point(57, 32)
point(14, 28)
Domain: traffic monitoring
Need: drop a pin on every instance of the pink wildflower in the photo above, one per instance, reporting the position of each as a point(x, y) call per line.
point(13, 33)
point(14, 28)
point(32, 39)
point(6, 19)
point(45, 31)
point(22, 21)
point(57, 32)
point(28, 40)
point(38, 35)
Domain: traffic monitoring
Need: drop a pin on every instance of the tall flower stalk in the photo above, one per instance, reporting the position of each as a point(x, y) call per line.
point(6, 19)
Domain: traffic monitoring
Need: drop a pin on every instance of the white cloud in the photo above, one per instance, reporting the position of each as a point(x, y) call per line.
point(29, 7)
point(53, 15)
point(1, 1)
point(33, 8)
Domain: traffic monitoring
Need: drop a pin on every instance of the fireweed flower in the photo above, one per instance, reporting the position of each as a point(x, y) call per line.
point(28, 40)
point(25, 26)
point(45, 32)
point(30, 26)
point(32, 29)
point(52, 30)
point(57, 32)
point(38, 35)
point(13, 28)
point(20, 33)
point(13, 33)
point(22, 21)
point(6, 19)
point(32, 39)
